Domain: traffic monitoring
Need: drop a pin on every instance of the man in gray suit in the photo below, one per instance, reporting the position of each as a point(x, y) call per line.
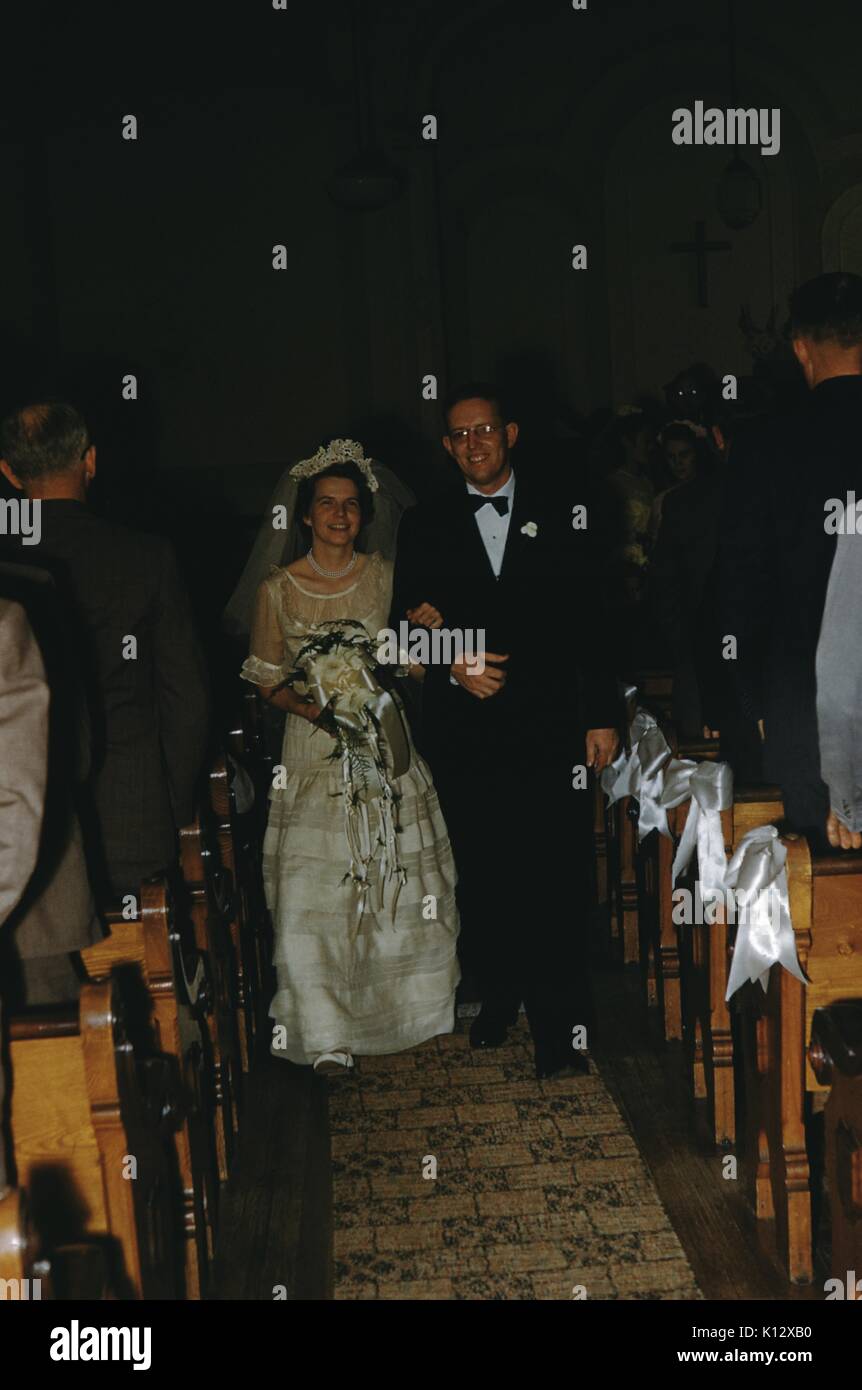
point(23, 769)
point(56, 915)
point(839, 687)
point(134, 645)
point(23, 753)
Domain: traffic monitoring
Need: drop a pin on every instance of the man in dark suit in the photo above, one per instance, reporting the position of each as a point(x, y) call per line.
point(777, 545)
point(135, 644)
point(501, 555)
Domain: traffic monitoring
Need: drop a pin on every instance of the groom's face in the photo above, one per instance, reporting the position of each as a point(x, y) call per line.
point(482, 454)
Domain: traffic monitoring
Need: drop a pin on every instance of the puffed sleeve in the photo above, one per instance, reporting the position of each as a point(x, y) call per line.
point(265, 663)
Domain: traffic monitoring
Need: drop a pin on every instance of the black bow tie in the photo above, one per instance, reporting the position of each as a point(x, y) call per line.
point(500, 504)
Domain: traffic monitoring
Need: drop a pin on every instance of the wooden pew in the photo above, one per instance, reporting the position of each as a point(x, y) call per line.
point(825, 893)
point(627, 875)
point(704, 955)
point(17, 1247)
point(88, 1139)
point(251, 741)
point(620, 844)
point(206, 899)
point(620, 851)
point(13, 1234)
point(251, 744)
point(600, 843)
point(248, 919)
point(155, 951)
point(685, 966)
point(239, 926)
point(26, 1270)
point(655, 692)
point(835, 1054)
point(658, 935)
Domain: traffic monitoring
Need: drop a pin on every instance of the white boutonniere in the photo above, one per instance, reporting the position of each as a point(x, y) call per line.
point(529, 528)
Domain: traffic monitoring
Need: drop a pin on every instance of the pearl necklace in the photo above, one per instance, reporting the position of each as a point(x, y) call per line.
point(332, 574)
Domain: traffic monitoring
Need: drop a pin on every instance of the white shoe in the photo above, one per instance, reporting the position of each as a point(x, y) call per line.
point(333, 1063)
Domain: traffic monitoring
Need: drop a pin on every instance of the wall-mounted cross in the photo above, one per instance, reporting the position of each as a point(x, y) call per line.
point(701, 248)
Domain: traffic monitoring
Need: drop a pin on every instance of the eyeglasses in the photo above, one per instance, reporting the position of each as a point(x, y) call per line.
point(480, 431)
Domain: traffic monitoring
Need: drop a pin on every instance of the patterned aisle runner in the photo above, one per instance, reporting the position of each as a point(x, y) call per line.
point(539, 1187)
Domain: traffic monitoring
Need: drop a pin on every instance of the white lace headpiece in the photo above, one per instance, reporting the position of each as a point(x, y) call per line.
point(337, 451)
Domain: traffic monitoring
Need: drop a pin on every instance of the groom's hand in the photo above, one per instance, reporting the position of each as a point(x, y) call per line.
point(490, 682)
point(602, 746)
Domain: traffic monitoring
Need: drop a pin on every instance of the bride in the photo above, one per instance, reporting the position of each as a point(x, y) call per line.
point(357, 865)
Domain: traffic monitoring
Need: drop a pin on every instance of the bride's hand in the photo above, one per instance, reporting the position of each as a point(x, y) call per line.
point(426, 615)
point(309, 711)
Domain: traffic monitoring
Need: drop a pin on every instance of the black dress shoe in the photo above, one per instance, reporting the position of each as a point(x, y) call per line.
point(491, 1027)
point(557, 1061)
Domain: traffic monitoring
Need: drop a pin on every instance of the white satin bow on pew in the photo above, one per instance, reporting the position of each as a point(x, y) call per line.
point(640, 773)
point(764, 933)
point(756, 871)
point(709, 787)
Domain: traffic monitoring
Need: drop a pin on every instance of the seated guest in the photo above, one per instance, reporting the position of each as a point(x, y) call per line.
point(723, 716)
point(686, 455)
point(678, 589)
point(618, 460)
point(141, 665)
point(632, 487)
point(684, 606)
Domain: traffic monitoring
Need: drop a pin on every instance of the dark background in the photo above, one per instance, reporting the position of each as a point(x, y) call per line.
point(154, 256)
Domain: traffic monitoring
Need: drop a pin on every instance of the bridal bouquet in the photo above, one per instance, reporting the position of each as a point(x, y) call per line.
point(338, 667)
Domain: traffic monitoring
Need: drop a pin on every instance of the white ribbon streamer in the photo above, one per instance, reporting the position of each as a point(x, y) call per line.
point(709, 787)
point(764, 933)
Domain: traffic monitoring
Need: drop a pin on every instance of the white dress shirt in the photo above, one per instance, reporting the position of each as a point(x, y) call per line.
point(493, 528)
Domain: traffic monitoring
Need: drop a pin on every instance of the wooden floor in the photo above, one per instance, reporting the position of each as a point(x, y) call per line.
point(276, 1221)
point(275, 1228)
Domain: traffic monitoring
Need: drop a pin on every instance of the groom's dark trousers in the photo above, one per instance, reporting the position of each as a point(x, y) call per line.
point(503, 766)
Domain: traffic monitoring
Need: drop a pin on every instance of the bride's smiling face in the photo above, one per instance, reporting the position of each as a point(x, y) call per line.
point(335, 516)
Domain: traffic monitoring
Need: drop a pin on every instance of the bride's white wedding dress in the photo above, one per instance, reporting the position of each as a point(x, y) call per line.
point(390, 983)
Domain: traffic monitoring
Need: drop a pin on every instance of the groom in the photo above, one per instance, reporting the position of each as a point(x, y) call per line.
point(508, 746)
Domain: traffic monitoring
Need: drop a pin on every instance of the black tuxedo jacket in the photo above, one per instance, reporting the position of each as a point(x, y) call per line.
point(544, 610)
point(148, 717)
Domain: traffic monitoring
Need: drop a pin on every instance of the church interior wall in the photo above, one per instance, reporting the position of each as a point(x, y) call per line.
point(162, 266)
